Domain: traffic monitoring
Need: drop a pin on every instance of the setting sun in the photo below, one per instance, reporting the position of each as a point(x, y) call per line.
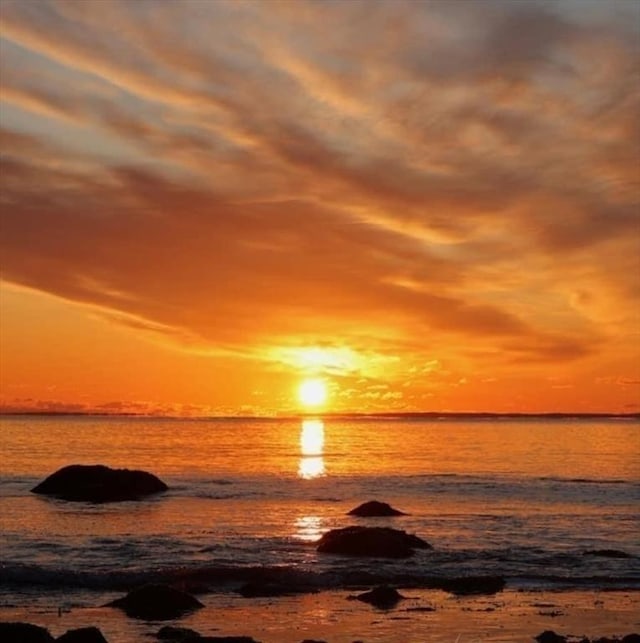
point(312, 392)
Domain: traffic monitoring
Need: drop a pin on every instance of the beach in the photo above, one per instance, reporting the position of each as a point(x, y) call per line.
point(510, 617)
point(548, 506)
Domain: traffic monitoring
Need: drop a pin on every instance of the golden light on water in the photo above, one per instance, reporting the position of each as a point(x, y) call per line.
point(311, 468)
point(311, 449)
point(312, 437)
point(309, 528)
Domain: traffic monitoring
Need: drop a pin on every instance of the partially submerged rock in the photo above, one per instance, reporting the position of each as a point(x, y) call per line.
point(383, 596)
point(82, 635)
point(378, 542)
point(221, 639)
point(156, 603)
point(258, 589)
point(172, 633)
point(549, 636)
point(97, 483)
point(468, 585)
point(24, 633)
point(374, 508)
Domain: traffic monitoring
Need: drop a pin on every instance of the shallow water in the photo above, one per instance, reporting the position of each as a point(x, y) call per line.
point(523, 499)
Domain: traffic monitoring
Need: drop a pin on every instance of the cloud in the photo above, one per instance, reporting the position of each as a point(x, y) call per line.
point(231, 176)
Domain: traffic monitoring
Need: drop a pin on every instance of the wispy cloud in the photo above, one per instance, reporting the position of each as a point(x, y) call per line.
point(388, 178)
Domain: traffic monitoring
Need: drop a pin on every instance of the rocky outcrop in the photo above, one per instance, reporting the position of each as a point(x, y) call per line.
point(97, 483)
point(82, 635)
point(549, 636)
point(374, 508)
point(24, 633)
point(186, 635)
point(383, 596)
point(259, 589)
point(378, 542)
point(221, 639)
point(156, 603)
point(172, 633)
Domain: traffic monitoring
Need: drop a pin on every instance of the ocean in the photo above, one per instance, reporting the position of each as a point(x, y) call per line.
point(521, 498)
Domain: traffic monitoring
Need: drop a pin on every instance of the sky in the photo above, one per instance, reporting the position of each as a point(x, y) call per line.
point(430, 206)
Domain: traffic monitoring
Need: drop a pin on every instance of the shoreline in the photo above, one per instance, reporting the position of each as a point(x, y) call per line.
point(510, 616)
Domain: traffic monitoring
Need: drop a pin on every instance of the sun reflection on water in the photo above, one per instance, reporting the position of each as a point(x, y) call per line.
point(308, 528)
point(311, 449)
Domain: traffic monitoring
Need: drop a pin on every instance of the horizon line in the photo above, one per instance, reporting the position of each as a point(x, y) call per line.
point(350, 415)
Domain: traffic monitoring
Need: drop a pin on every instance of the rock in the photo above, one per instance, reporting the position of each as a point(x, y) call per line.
point(172, 633)
point(548, 636)
point(97, 483)
point(382, 542)
point(383, 596)
point(82, 635)
point(24, 633)
point(631, 638)
point(221, 639)
point(375, 508)
point(262, 590)
point(466, 585)
point(156, 603)
point(607, 553)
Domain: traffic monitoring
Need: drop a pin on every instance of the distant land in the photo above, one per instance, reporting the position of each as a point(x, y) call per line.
point(390, 416)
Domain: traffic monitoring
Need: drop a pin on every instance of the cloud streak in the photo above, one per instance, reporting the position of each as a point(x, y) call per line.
point(450, 177)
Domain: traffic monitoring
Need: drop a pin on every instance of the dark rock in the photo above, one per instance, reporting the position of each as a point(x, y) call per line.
point(24, 633)
point(156, 603)
point(382, 542)
point(607, 553)
point(82, 635)
point(97, 483)
point(260, 590)
point(221, 639)
point(375, 508)
point(172, 633)
point(466, 585)
point(631, 638)
point(548, 636)
point(383, 596)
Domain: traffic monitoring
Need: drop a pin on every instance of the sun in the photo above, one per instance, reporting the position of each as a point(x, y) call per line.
point(312, 392)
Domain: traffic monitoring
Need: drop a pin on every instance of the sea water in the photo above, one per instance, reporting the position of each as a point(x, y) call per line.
point(521, 498)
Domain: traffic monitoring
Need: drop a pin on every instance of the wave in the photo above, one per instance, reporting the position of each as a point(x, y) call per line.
point(285, 561)
point(603, 481)
point(227, 578)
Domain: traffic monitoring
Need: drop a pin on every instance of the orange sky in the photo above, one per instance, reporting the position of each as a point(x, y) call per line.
point(431, 205)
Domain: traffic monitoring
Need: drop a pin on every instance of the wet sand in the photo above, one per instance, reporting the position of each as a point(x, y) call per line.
point(507, 617)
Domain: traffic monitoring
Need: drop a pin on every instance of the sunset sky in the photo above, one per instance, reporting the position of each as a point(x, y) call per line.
point(430, 206)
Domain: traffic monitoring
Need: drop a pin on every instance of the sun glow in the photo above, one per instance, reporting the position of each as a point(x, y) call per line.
point(312, 392)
